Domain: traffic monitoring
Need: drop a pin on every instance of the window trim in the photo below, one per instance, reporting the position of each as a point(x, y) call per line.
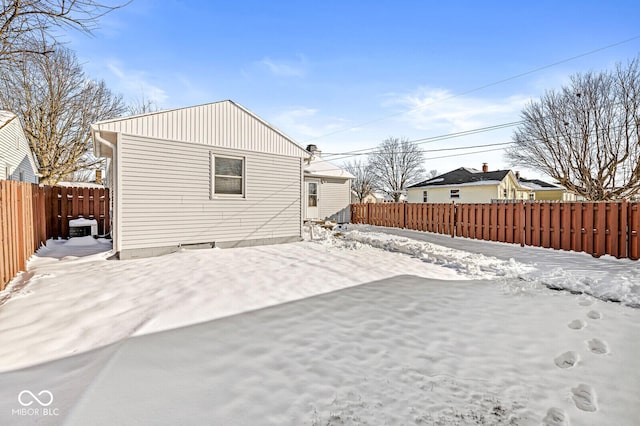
point(212, 174)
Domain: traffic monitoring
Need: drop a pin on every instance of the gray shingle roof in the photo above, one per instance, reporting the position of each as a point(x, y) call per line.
point(463, 175)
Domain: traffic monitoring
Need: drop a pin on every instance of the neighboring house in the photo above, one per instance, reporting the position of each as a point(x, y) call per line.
point(212, 175)
point(97, 182)
point(327, 192)
point(545, 191)
point(16, 158)
point(372, 197)
point(466, 185)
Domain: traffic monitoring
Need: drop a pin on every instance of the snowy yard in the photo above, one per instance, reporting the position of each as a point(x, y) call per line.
point(381, 329)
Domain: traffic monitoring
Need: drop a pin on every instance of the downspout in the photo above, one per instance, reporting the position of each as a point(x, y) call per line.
point(115, 217)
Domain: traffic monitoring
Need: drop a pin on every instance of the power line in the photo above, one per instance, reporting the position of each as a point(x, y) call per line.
point(432, 150)
point(429, 158)
point(466, 147)
point(495, 83)
point(438, 138)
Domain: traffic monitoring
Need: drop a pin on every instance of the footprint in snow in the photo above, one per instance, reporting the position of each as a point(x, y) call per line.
point(594, 315)
point(567, 359)
point(577, 324)
point(585, 301)
point(556, 417)
point(584, 396)
point(598, 346)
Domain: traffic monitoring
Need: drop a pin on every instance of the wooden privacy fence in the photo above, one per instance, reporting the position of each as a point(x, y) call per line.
point(596, 228)
point(30, 214)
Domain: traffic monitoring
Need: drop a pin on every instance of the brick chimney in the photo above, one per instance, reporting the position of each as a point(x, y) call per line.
point(314, 150)
point(99, 177)
point(517, 175)
point(485, 167)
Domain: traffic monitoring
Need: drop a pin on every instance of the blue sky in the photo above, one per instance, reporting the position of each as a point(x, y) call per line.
point(345, 75)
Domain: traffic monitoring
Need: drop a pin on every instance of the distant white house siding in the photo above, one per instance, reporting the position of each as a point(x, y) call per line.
point(16, 160)
point(162, 187)
point(470, 192)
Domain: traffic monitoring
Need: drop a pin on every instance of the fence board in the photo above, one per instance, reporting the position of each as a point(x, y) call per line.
point(633, 224)
point(595, 228)
point(30, 214)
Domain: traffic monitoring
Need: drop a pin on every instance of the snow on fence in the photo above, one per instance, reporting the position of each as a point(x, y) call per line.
point(594, 228)
point(30, 214)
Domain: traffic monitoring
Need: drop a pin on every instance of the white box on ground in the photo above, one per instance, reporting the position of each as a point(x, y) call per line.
point(77, 227)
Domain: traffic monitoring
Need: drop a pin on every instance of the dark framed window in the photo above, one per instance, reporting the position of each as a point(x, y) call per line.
point(228, 176)
point(425, 197)
point(454, 193)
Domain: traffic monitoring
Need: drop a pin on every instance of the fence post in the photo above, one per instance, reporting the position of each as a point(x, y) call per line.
point(633, 229)
point(625, 236)
point(404, 210)
point(452, 219)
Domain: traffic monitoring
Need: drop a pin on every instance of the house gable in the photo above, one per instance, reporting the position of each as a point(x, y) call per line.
point(223, 124)
point(16, 159)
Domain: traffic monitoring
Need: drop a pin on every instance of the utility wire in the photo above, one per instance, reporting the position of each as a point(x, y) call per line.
point(466, 147)
point(438, 138)
point(495, 83)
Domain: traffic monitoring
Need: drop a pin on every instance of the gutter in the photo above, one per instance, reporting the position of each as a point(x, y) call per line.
point(115, 213)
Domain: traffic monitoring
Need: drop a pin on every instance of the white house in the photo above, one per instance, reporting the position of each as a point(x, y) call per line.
point(213, 175)
point(16, 158)
point(327, 191)
point(466, 185)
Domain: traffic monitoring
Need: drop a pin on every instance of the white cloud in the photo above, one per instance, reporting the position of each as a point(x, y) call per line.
point(135, 84)
point(305, 123)
point(433, 108)
point(282, 68)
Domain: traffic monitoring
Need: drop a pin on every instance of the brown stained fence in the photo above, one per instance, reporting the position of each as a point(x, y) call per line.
point(65, 203)
point(31, 214)
point(595, 228)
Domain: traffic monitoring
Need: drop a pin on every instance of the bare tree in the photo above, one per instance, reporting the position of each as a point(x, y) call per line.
point(586, 136)
point(80, 176)
point(396, 164)
point(363, 184)
point(25, 23)
point(56, 103)
point(142, 105)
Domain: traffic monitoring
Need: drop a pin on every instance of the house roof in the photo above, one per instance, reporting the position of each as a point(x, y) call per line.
point(6, 117)
point(319, 167)
point(464, 176)
point(539, 185)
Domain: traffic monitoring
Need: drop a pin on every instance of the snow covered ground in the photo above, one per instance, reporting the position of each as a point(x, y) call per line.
point(435, 335)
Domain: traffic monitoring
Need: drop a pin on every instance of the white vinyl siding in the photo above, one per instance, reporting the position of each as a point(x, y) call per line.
point(334, 198)
point(16, 162)
point(224, 124)
point(468, 194)
point(165, 195)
